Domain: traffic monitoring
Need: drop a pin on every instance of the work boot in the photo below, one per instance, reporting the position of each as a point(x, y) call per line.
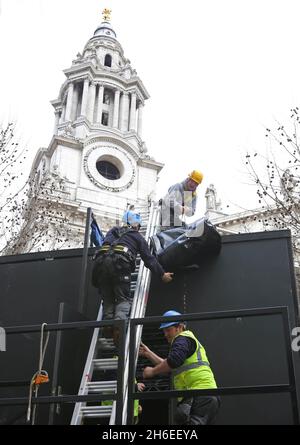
point(105, 343)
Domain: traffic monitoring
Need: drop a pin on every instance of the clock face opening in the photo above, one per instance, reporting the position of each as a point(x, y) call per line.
point(108, 170)
point(109, 167)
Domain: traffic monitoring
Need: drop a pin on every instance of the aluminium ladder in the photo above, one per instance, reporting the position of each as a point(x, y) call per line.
point(139, 287)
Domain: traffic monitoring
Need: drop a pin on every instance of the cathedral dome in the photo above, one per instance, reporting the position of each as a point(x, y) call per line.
point(105, 30)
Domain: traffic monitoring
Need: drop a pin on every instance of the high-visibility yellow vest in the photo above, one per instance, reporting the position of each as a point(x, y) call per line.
point(195, 372)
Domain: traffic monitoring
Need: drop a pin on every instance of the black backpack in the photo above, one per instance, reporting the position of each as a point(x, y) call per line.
point(110, 262)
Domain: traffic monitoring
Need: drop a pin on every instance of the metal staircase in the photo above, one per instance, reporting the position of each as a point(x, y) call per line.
point(97, 363)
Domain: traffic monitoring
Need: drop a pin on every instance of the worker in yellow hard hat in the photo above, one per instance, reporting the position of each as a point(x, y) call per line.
point(181, 200)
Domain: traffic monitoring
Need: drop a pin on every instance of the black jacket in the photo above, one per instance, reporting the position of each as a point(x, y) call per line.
point(137, 244)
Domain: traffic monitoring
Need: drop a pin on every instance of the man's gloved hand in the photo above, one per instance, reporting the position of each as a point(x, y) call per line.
point(167, 277)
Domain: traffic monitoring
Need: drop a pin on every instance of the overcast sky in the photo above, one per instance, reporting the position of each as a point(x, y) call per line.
point(217, 71)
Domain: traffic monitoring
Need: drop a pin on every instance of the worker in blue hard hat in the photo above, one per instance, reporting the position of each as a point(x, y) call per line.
point(130, 215)
point(114, 264)
point(190, 369)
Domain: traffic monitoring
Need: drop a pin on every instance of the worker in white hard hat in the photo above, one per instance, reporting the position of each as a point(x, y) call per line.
point(188, 363)
point(180, 200)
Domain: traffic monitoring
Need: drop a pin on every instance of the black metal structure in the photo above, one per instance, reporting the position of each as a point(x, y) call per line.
point(287, 387)
point(71, 398)
point(252, 272)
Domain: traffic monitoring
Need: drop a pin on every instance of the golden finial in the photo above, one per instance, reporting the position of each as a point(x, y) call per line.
point(106, 14)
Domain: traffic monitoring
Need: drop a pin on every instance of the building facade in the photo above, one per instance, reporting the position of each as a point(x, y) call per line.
point(256, 220)
point(97, 157)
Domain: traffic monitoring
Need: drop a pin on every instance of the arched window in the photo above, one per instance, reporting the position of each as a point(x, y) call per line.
point(107, 60)
point(104, 119)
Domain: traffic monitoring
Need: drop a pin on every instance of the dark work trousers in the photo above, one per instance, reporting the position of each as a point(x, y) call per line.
point(114, 286)
point(197, 411)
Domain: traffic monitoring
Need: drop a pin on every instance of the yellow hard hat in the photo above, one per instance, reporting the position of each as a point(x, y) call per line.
point(196, 176)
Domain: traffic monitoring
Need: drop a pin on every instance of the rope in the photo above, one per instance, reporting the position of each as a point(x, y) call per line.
point(39, 377)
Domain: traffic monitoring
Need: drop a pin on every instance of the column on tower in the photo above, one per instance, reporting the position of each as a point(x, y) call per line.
point(63, 114)
point(132, 125)
point(100, 103)
point(85, 95)
point(116, 109)
point(75, 102)
point(140, 118)
point(57, 117)
point(124, 111)
point(91, 106)
point(69, 101)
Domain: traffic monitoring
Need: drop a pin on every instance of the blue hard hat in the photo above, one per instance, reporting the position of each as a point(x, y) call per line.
point(130, 218)
point(171, 323)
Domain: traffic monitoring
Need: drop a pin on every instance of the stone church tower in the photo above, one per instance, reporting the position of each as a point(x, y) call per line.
point(97, 157)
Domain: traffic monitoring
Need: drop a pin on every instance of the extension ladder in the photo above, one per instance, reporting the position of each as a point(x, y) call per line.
point(97, 362)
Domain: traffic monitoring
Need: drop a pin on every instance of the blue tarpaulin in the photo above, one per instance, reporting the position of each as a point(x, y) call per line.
point(97, 236)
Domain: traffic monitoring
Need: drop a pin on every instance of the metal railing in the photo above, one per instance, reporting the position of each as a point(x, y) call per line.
point(290, 387)
point(137, 311)
point(73, 398)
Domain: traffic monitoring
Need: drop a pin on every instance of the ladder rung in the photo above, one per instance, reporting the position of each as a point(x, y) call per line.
point(96, 411)
point(104, 386)
point(105, 340)
point(105, 363)
point(106, 344)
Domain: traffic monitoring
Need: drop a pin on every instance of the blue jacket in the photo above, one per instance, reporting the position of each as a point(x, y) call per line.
point(97, 236)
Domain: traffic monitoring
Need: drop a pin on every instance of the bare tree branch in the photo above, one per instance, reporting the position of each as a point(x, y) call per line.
point(277, 178)
point(32, 215)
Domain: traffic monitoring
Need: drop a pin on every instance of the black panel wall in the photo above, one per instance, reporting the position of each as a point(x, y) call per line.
point(32, 287)
point(252, 271)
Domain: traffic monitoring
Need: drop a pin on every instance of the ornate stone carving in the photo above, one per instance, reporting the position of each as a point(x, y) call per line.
point(112, 140)
point(53, 180)
point(106, 99)
point(211, 198)
point(144, 151)
point(69, 130)
point(290, 183)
